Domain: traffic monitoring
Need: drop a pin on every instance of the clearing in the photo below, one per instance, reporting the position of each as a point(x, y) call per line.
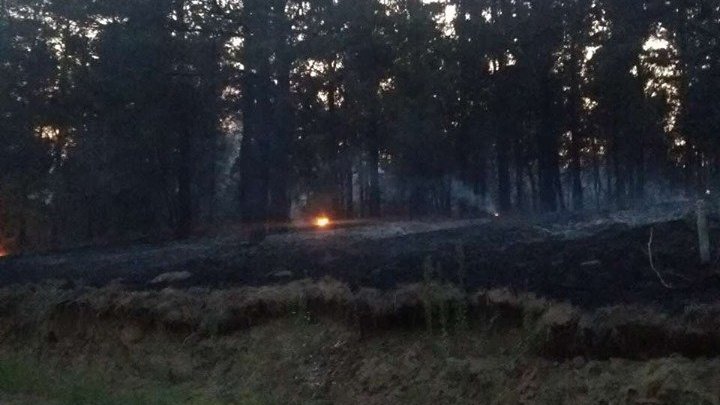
point(495, 311)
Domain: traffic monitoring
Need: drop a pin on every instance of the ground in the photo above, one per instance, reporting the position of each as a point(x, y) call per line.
point(590, 262)
point(492, 311)
point(299, 361)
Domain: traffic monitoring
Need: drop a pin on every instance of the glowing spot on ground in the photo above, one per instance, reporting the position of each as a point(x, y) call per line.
point(322, 222)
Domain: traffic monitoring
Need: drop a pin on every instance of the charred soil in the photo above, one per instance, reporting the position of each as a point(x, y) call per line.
point(591, 263)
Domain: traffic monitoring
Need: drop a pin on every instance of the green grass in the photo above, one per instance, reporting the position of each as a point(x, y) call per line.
point(311, 362)
point(263, 366)
point(23, 377)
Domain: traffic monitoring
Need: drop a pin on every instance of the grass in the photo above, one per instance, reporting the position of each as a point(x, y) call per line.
point(262, 366)
point(478, 349)
point(22, 377)
point(314, 362)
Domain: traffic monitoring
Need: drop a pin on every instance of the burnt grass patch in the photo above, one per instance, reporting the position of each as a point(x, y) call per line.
point(600, 265)
point(586, 292)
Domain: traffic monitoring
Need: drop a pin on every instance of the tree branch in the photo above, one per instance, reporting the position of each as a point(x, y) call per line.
point(652, 264)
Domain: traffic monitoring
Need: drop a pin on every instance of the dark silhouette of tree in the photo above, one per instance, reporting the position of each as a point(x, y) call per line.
point(146, 118)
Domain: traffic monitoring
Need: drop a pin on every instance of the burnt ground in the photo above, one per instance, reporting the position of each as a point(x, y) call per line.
point(245, 323)
point(590, 262)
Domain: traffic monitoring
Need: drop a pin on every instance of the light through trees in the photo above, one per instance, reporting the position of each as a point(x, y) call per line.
point(159, 118)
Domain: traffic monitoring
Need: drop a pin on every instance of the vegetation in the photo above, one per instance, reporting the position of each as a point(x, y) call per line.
point(25, 380)
point(290, 362)
point(152, 117)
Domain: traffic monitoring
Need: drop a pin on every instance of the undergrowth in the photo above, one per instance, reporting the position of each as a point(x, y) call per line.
point(23, 376)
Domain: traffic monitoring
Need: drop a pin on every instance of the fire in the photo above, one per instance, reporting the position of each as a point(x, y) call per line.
point(322, 221)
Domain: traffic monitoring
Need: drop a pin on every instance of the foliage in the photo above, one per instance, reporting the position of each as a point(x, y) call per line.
point(140, 118)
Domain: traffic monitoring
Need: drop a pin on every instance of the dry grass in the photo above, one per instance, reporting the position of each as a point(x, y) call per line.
point(47, 314)
point(301, 361)
point(321, 343)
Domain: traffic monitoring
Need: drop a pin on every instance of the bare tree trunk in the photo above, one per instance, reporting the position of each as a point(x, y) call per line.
point(533, 187)
point(349, 192)
point(520, 202)
point(503, 171)
point(703, 232)
point(596, 173)
point(362, 182)
point(279, 208)
point(22, 238)
point(574, 115)
point(547, 149)
point(479, 170)
point(374, 171)
point(184, 182)
point(257, 115)
point(619, 180)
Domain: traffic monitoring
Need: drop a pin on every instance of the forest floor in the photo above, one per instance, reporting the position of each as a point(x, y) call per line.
point(491, 311)
point(590, 262)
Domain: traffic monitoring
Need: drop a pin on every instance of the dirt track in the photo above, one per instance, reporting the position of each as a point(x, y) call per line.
point(590, 263)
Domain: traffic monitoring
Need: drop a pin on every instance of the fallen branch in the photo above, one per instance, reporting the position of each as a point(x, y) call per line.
point(652, 263)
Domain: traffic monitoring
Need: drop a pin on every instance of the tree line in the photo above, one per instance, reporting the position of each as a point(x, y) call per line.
point(151, 117)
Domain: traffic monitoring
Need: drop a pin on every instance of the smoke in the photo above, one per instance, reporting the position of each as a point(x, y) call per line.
point(464, 200)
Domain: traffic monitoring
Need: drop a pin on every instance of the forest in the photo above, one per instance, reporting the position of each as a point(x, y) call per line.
point(426, 202)
point(149, 118)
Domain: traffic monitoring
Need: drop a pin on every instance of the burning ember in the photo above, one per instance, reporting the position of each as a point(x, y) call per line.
point(322, 221)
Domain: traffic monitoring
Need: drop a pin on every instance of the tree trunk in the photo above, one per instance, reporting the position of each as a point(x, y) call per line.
point(640, 175)
point(547, 149)
point(184, 182)
point(373, 172)
point(257, 114)
point(703, 232)
point(575, 127)
point(575, 172)
point(362, 182)
point(520, 202)
point(280, 146)
point(596, 173)
point(22, 238)
point(616, 154)
point(533, 187)
point(349, 192)
point(479, 172)
point(504, 203)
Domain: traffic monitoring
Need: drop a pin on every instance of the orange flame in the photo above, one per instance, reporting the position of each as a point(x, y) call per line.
point(322, 221)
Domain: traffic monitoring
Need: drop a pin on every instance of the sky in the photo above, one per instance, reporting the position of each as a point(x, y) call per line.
point(450, 11)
